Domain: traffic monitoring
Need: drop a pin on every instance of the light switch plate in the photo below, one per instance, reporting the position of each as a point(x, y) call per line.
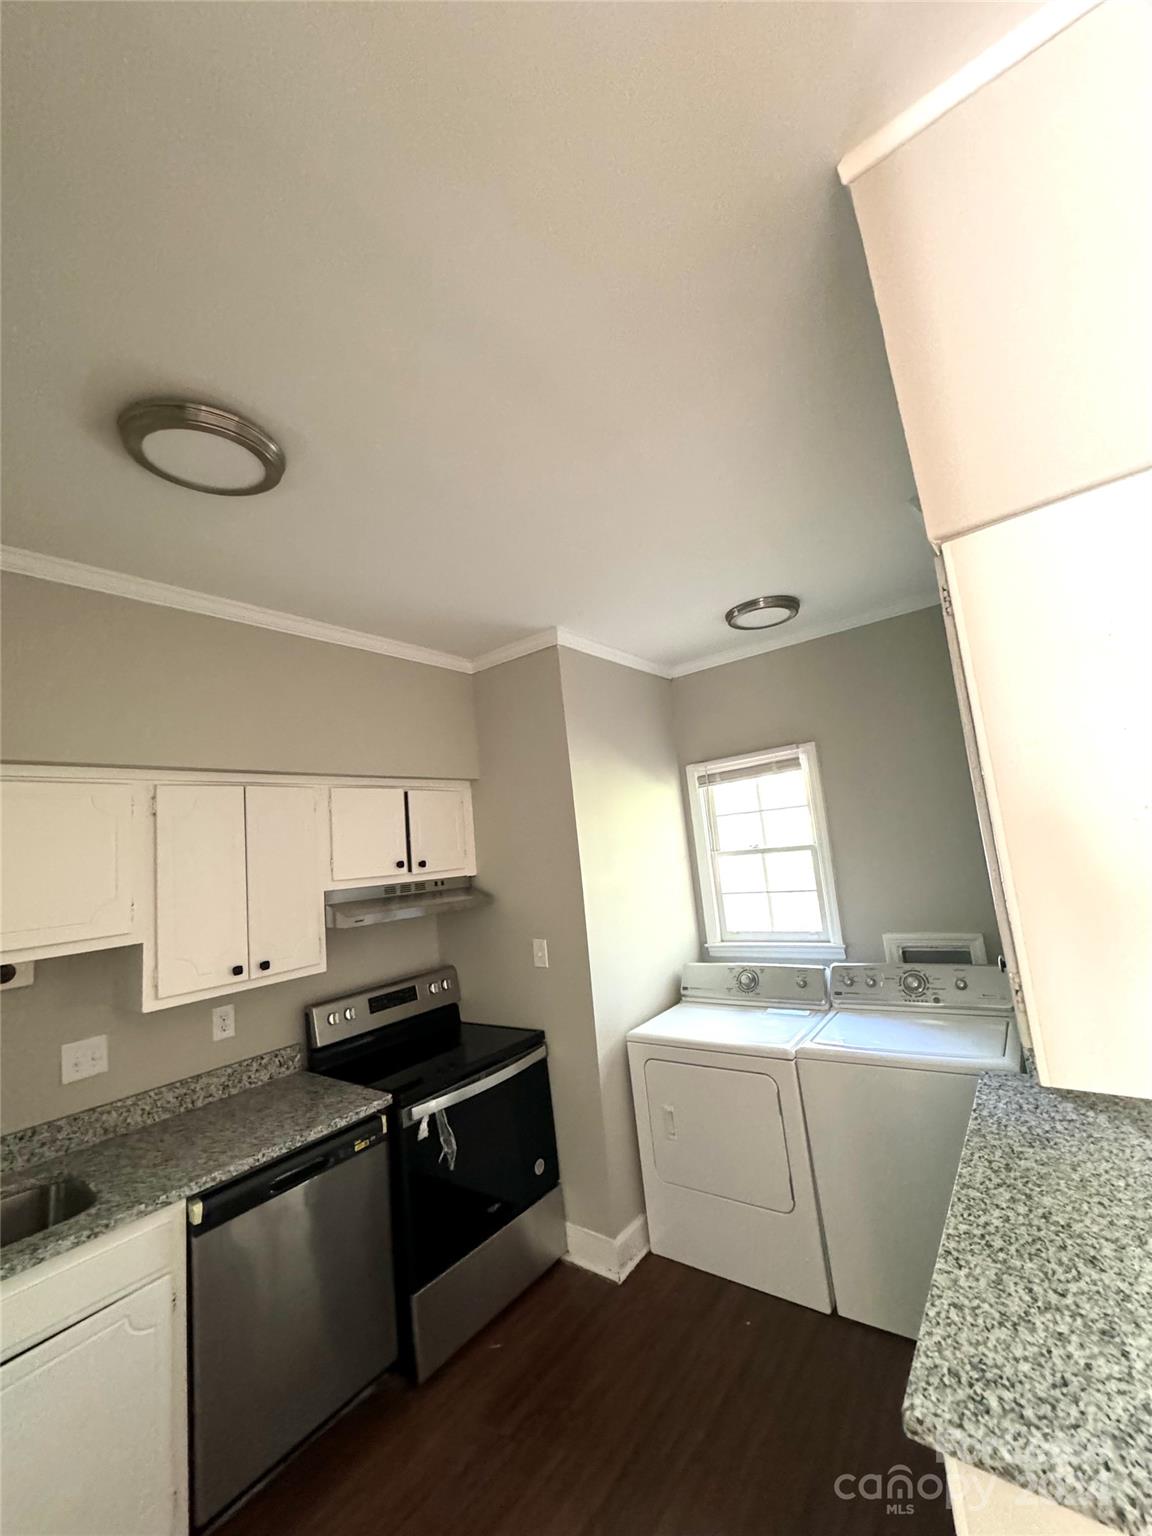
point(224, 1022)
point(83, 1058)
point(540, 953)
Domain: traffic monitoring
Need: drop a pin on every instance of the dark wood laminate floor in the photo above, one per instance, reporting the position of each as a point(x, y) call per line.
point(674, 1405)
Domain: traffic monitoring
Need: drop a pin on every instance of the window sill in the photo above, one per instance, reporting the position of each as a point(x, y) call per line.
point(814, 953)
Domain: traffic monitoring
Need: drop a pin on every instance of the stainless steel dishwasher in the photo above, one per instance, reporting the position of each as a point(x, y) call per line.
point(292, 1308)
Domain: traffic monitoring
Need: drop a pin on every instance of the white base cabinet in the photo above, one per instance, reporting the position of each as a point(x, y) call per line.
point(983, 1505)
point(88, 1425)
point(93, 1409)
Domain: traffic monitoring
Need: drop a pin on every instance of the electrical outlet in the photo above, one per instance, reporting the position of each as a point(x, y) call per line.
point(223, 1022)
point(540, 953)
point(83, 1058)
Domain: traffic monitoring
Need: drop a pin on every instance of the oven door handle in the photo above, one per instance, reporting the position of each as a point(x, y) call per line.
point(470, 1090)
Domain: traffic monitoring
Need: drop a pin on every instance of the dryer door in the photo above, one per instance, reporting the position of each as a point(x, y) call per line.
point(719, 1131)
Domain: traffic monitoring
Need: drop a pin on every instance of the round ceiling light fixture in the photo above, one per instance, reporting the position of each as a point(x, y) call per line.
point(201, 446)
point(762, 612)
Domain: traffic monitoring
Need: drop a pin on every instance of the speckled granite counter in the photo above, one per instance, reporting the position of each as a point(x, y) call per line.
point(1035, 1355)
point(148, 1169)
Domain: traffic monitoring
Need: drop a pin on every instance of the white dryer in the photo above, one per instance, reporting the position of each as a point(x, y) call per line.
point(888, 1082)
point(727, 1176)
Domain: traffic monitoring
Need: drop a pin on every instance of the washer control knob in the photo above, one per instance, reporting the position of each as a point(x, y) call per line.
point(914, 983)
point(747, 981)
point(869, 980)
point(349, 1014)
point(333, 1018)
point(801, 982)
point(961, 984)
point(848, 979)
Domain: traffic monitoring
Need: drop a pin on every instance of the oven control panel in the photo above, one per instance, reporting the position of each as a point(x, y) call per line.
point(340, 1018)
point(958, 988)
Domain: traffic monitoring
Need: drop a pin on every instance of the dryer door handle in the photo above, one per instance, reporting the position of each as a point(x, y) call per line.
point(669, 1123)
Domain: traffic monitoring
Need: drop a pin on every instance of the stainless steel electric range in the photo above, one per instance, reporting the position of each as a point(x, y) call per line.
point(478, 1212)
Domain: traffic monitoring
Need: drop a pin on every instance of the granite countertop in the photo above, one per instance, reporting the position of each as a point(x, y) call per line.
point(185, 1154)
point(1035, 1354)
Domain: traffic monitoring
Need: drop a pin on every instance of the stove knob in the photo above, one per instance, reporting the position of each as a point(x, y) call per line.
point(961, 984)
point(349, 1014)
point(333, 1018)
point(447, 984)
point(433, 986)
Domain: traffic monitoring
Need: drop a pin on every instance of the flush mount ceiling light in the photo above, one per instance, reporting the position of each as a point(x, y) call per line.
point(201, 446)
point(762, 612)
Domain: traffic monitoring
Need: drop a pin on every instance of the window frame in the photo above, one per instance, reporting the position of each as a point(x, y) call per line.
point(830, 944)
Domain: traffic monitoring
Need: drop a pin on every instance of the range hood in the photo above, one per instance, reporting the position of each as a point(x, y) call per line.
point(369, 904)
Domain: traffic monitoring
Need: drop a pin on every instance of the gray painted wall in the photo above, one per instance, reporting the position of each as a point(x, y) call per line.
point(528, 857)
point(638, 901)
point(880, 704)
point(99, 994)
point(89, 678)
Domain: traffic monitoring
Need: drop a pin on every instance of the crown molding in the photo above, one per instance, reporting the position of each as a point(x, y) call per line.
point(1040, 28)
point(70, 573)
point(544, 639)
point(798, 637)
point(608, 653)
point(540, 641)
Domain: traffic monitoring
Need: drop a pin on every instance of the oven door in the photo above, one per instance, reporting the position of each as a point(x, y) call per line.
point(473, 1159)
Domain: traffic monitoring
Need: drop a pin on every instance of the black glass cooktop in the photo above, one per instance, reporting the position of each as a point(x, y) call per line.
point(424, 1056)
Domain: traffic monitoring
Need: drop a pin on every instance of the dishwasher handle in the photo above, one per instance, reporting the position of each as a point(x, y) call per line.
point(313, 1161)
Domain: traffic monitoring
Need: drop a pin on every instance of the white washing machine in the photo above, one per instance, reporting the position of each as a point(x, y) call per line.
point(888, 1082)
point(727, 1176)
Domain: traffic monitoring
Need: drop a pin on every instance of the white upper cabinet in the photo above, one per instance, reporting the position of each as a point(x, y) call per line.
point(201, 888)
point(383, 834)
point(440, 831)
point(1055, 637)
point(239, 888)
point(69, 866)
point(369, 839)
point(285, 883)
point(1009, 243)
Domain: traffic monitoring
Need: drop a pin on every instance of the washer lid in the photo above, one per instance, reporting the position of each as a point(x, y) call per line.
point(944, 1042)
point(728, 1027)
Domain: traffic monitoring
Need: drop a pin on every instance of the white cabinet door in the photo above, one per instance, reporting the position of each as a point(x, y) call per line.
point(285, 896)
point(201, 889)
point(1055, 637)
point(438, 826)
point(1009, 245)
point(369, 840)
point(90, 1446)
point(67, 863)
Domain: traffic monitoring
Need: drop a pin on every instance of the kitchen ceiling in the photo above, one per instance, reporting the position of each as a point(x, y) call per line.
point(558, 310)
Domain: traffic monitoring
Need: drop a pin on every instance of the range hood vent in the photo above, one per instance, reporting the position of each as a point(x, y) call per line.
point(370, 904)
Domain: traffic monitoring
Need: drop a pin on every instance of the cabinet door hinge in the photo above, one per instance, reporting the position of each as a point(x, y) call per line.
point(946, 601)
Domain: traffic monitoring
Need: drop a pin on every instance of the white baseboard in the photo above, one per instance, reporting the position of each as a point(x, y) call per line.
point(612, 1257)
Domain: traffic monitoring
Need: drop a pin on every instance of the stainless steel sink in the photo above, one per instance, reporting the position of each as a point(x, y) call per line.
point(24, 1212)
